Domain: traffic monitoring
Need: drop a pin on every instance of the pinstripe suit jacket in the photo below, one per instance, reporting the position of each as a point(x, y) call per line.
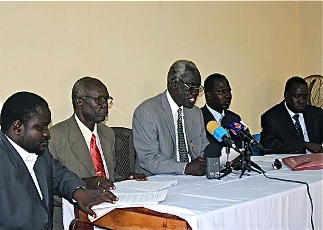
point(155, 139)
point(67, 144)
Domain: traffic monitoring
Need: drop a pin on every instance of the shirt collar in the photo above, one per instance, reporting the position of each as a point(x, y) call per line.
point(291, 113)
point(174, 107)
point(87, 134)
point(26, 156)
point(217, 116)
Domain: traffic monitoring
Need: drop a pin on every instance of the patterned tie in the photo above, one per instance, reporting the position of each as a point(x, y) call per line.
point(183, 155)
point(96, 158)
point(298, 127)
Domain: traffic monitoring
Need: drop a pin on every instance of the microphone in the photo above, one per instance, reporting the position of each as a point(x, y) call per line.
point(212, 154)
point(221, 134)
point(238, 128)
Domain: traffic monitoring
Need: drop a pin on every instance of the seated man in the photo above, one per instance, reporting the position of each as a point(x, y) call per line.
point(218, 97)
point(168, 130)
point(75, 140)
point(30, 176)
point(292, 126)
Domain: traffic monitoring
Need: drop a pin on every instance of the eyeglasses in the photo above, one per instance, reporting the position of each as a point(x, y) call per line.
point(192, 88)
point(100, 100)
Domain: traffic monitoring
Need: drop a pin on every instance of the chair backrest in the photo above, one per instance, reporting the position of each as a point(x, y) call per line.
point(315, 90)
point(124, 152)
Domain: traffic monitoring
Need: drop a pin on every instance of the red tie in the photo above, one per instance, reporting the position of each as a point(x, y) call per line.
point(96, 158)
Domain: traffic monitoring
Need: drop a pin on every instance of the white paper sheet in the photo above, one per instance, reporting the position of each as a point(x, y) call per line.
point(144, 185)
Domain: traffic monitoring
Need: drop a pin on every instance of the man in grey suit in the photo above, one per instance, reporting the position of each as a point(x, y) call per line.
point(30, 176)
point(156, 128)
point(70, 139)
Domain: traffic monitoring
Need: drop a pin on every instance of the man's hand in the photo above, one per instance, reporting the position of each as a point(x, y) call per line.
point(86, 198)
point(197, 167)
point(313, 147)
point(97, 182)
point(137, 176)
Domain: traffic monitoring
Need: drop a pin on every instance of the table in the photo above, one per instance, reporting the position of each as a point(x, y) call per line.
point(251, 202)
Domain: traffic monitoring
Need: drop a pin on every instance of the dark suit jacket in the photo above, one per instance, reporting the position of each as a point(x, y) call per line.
point(279, 133)
point(226, 120)
point(67, 144)
point(154, 136)
point(20, 202)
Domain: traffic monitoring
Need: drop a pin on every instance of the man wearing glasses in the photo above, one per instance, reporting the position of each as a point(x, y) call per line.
point(168, 130)
point(72, 140)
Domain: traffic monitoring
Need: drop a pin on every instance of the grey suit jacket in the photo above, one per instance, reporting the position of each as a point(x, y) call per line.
point(155, 139)
point(21, 205)
point(67, 144)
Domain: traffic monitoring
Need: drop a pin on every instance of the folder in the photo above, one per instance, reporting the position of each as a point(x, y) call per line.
point(304, 161)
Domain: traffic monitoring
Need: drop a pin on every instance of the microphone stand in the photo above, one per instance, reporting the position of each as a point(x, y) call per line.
point(227, 170)
point(246, 163)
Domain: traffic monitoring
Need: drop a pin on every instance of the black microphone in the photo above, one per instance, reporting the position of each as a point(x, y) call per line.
point(212, 154)
point(221, 134)
point(239, 129)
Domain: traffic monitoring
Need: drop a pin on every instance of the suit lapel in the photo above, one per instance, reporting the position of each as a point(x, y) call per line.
point(167, 113)
point(22, 172)
point(41, 175)
point(106, 147)
point(287, 122)
point(309, 123)
point(79, 147)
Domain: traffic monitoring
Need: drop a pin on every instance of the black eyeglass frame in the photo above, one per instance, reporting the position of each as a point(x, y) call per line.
point(191, 88)
point(101, 99)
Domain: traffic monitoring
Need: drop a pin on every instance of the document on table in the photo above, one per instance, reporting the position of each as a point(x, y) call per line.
point(129, 200)
point(144, 185)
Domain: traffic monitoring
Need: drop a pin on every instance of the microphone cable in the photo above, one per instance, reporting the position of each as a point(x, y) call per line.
point(299, 182)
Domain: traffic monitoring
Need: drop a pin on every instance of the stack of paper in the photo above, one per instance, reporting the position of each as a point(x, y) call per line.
point(127, 192)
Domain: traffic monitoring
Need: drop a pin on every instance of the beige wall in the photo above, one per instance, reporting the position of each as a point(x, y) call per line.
point(46, 46)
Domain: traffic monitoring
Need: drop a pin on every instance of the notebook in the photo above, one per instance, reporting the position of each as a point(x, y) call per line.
point(304, 161)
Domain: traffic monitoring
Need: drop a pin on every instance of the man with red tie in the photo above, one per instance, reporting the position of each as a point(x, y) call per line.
point(82, 143)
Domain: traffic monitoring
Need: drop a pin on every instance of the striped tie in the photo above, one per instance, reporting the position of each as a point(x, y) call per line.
point(298, 127)
point(183, 154)
point(96, 158)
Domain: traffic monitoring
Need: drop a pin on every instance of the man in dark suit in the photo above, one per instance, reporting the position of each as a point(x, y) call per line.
point(218, 97)
point(168, 130)
point(283, 132)
point(30, 176)
point(70, 139)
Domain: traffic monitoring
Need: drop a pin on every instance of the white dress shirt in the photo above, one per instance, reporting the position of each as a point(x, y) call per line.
point(29, 160)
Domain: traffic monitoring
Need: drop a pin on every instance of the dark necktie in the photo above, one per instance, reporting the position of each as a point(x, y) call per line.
point(96, 158)
point(183, 155)
point(298, 127)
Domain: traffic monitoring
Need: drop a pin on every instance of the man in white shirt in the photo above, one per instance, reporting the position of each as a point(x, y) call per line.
point(283, 132)
point(30, 176)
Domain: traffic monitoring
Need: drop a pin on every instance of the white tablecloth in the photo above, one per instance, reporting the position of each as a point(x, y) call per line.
point(250, 202)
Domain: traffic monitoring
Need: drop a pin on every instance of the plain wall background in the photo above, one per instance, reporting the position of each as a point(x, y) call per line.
point(46, 46)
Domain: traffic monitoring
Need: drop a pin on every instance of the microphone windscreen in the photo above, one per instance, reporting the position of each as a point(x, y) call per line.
point(212, 151)
point(235, 127)
point(211, 126)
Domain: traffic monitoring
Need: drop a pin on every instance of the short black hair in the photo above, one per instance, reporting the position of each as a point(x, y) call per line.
point(294, 81)
point(20, 106)
point(209, 81)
